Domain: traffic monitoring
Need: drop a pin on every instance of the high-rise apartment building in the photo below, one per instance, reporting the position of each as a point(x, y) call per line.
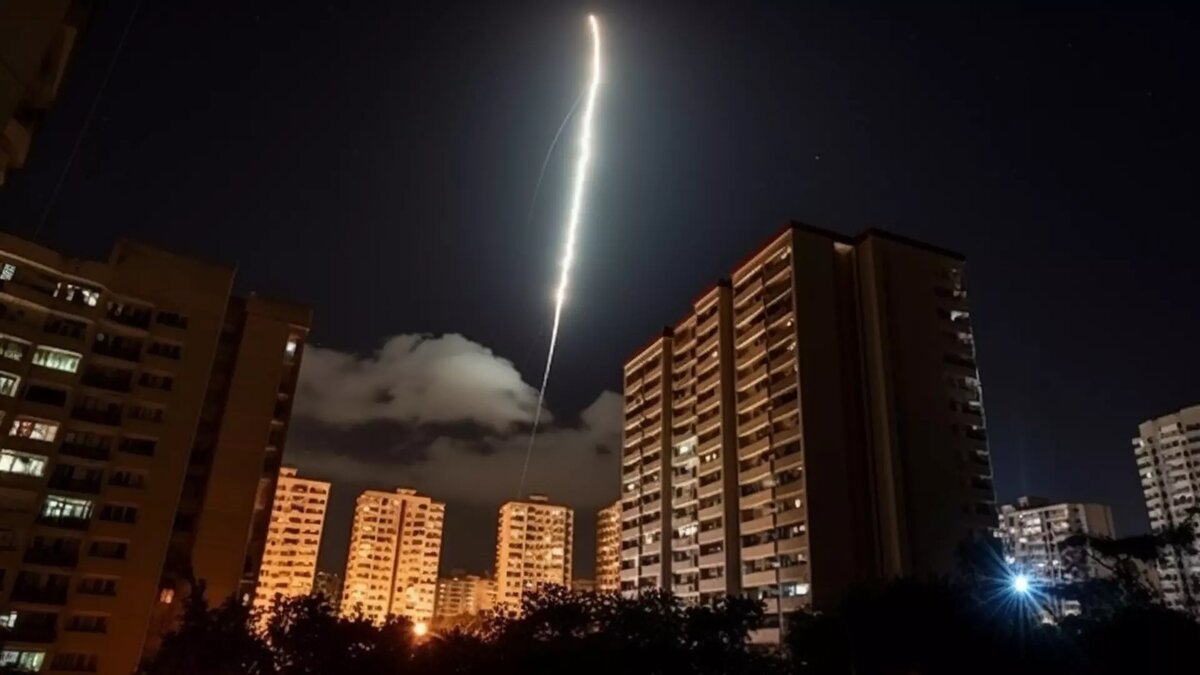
point(1167, 450)
point(1032, 531)
point(289, 561)
point(462, 595)
point(608, 548)
point(395, 544)
point(329, 584)
point(126, 455)
point(37, 38)
point(533, 548)
point(813, 421)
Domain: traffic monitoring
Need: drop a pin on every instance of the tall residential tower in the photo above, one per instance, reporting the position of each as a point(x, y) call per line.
point(608, 549)
point(395, 544)
point(813, 421)
point(533, 548)
point(1167, 450)
point(289, 562)
point(144, 411)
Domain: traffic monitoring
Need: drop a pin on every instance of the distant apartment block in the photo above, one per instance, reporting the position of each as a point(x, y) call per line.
point(1167, 450)
point(395, 544)
point(289, 562)
point(533, 548)
point(329, 584)
point(608, 548)
point(37, 38)
point(813, 421)
point(462, 595)
point(144, 411)
point(1032, 531)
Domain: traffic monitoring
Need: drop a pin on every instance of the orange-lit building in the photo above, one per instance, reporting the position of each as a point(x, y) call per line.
point(608, 548)
point(144, 410)
point(533, 548)
point(289, 561)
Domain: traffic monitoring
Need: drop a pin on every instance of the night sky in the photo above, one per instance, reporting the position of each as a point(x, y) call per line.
point(377, 163)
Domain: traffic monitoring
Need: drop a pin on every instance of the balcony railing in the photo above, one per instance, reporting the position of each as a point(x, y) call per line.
point(39, 594)
point(66, 522)
point(89, 485)
point(52, 557)
point(85, 451)
point(109, 417)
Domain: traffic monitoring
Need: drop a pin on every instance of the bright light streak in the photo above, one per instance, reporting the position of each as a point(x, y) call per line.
point(1020, 584)
point(568, 257)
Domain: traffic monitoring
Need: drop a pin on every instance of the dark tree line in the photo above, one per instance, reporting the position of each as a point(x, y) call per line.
point(973, 623)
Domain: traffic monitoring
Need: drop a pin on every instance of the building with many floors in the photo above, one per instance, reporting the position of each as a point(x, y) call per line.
point(289, 562)
point(1032, 532)
point(813, 421)
point(608, 548)
point(1167, 451)
point(395, 545)
point(460, 595)
point(143, 411)
point(533, 548)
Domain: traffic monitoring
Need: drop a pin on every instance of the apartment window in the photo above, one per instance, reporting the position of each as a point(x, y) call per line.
point(8, 272)
point(37, 430)
point(166, 350)
point(97, 586)
point(52, 396)
point(77, 294)
point(12, 348)
point(56, 359)
point(127, 478)
point(22, 659)
point(290, 348)
point(9, 384)
point(88, 623)
point(145, 413)
point(8, 619)
point(118, 513)
point(115, 550)
point(172, 319)
point(65, 327)
point(66, 507)
point(73, 662)
point(22, 463)
point(156, 381)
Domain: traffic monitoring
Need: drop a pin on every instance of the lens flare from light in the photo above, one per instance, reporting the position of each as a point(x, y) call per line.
point(1020, 584)
point(568, 257)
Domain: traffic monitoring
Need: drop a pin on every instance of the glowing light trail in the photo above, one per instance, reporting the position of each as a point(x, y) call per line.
point(581, 172)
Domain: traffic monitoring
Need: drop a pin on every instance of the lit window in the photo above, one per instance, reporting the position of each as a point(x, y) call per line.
point(56, 359)
point(22, 463)
point(8, 619)
point(166, 596)
point(21, 659)
point(73, 293)
point(290, 348)
point(8, 272)
point(8, 384)
point(66, 507)
point(12, 348)
point(34, 429)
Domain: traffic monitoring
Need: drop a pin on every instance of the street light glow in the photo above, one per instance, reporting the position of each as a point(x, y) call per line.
point(420, 628)
point(1020, 584)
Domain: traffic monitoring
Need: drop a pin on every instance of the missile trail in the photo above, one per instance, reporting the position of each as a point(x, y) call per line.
point(568, 258)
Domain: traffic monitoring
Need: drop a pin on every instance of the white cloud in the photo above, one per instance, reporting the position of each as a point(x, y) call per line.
point(416, 380)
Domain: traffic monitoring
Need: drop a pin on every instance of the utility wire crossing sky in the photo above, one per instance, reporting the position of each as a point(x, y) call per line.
point(581, 172)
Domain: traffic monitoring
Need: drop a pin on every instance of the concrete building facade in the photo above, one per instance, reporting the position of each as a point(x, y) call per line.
point(462, 595)
point(608, 548)
point(533, 548)
point(813, 421)
point(1167, 451)
point(1032, 531)
point(329, 584)
point(289, 561)
point(108, 376)
point(395, 546)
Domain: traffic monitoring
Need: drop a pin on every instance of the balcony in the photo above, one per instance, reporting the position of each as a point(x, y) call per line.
point(764, 550)
point(749, 379)
point(84, 451)
point(51, 557)
point(763, 578)
point(689, 562)
point(711, 536)
point(754, 473)
point(790, 516)
point(759, 524)
point(710, 512)
point(651, 570)
point(687, 588)
point(129, 353)
point(709, 489)
point(750, 288)
point(45, 595)
point(757, 498)
point(714, 585)
point(106, 417)
point(87, 485)
point(629, 553)
point(710, 559)
point(32, 633)
point(65, 522)
point(793, 544)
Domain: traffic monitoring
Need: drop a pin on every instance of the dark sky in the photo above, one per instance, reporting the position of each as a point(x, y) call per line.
point(377, 161)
